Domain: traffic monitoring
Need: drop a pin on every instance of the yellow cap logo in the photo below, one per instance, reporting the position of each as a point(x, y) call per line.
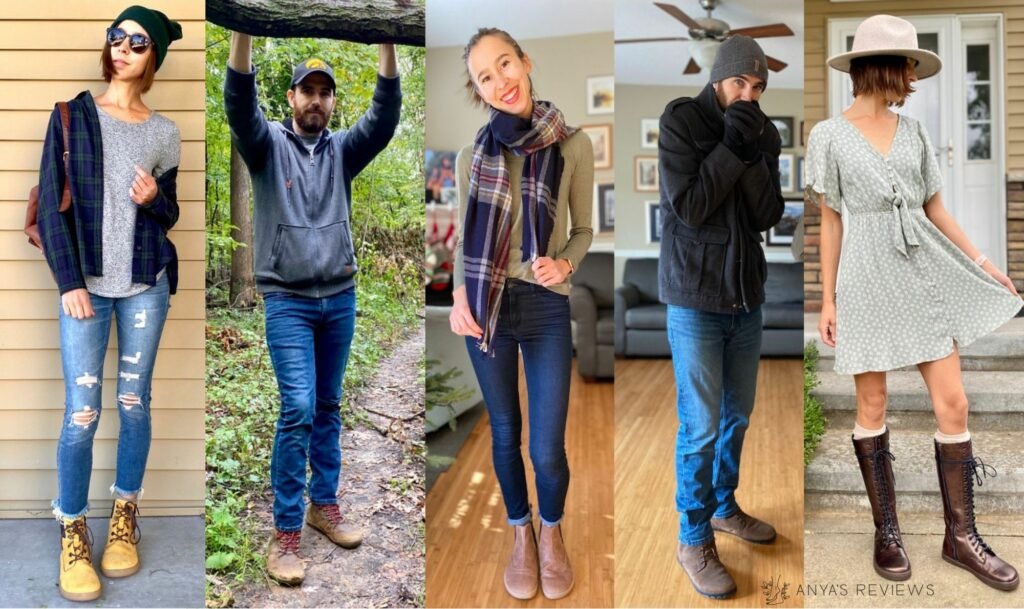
point(316, 64)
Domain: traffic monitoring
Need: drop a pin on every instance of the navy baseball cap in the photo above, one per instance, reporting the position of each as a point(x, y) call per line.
point(305, 68)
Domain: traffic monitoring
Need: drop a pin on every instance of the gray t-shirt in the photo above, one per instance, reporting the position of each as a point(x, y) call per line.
point(154, 145)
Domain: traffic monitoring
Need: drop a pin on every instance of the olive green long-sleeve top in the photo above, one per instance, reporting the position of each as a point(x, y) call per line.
point(573, 231)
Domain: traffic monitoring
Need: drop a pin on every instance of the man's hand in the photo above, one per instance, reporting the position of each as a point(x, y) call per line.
point(240, 57)
point(744, 123)
point(388, 63)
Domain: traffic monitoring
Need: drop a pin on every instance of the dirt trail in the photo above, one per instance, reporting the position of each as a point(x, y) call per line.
point(382, 491)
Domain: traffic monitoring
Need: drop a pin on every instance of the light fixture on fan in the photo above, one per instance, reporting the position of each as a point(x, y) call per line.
point(704, 52)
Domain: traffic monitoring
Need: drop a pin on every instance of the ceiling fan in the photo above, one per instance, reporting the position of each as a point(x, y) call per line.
point(706, 34)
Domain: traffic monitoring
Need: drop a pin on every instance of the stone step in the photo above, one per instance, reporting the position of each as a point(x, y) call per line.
point(1002, 350)
point(832, 479)
point(996, 397)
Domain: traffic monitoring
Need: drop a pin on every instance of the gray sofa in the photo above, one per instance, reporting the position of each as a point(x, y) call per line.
point(640, 318)
point(591, 303)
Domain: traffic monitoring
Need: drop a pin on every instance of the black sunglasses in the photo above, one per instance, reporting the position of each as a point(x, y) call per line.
point(136, 42)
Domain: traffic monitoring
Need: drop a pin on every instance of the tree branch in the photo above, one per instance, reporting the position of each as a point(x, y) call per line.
point(366, 21)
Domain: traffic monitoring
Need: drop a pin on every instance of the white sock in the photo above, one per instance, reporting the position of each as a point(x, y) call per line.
point(956, 438)
point(859, 433)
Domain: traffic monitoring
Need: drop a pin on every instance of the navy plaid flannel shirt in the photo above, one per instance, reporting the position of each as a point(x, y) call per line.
point(73, 241)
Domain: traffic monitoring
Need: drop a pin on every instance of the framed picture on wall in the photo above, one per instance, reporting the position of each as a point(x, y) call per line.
point(782, 233)
point(439, 168)
point(800, 181)
point(601, 95)
point(604, 203)
point(786, 172)
point(645, 174)
point(649, 133)
point(653, 221)
point(785, 126)
point(601, 137)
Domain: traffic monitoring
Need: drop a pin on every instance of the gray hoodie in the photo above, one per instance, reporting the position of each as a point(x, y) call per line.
point(302, 200)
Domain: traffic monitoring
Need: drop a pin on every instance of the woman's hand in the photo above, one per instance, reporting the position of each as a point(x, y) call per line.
point(550, 272)
point(999, 276)
point(827, 324)
point(461, 318)
point(143, 189)
point(77, 303)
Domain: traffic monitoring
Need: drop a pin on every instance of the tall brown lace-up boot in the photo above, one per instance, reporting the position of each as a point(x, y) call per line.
point(875, 460)
point(958, 469)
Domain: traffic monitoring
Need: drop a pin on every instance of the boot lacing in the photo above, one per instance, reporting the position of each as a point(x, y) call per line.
point(81, 541)
point(126, 526)
point(889, 530)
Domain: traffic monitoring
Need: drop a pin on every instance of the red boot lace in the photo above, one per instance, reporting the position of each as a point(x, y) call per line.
point(333, 513)
point(289, 542)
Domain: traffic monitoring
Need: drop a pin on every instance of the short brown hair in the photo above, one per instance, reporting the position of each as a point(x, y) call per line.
point(474, 97)
point(884, 75)
point(147, 75)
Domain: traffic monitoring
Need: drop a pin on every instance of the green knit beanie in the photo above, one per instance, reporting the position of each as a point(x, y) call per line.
point(162, 31)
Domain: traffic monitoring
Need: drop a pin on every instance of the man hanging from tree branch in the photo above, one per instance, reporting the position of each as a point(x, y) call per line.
point(305, 269)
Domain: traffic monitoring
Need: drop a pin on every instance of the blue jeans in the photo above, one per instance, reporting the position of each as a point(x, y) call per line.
point(715, 357)
point(536, 320)
point(309, 341)
point(83, 347)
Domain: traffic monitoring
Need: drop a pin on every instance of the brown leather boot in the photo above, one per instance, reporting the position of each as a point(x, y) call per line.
point(521, 572)
point(745, 526)
point(963, 546)
point(875, 460)
point(328, 520)
point(283, 561)
point(706, 572)
point(556, 578)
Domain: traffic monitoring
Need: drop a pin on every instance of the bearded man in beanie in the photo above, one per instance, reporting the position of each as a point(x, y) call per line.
point(718, 156)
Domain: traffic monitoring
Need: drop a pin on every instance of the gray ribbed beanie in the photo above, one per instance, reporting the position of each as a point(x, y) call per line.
point(740, 55)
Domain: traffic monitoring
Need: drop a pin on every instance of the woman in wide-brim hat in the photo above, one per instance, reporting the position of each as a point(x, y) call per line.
point(911, 288)
point(111, 259)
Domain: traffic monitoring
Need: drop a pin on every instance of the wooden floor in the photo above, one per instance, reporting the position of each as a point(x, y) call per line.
point(468, 540)
point(771, 487)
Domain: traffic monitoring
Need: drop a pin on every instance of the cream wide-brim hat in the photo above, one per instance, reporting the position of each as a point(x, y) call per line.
point(888, 35)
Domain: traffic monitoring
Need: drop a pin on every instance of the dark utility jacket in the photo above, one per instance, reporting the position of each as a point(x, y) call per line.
point(714, 207)
point(73, 241)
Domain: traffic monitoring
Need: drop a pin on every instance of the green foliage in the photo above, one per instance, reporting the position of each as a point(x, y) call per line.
point(441, 394)
point(387, 197)
point(814, 418)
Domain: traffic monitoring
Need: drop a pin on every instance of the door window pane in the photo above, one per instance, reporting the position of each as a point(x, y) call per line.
point(977, 62)
point(978, 107)
point(979, 142)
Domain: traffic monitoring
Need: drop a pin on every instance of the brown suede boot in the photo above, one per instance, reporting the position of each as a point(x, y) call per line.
point(521, 572)
point(875, 460)
point(556, 578)
point(963, 546)
point(746, 527)
point(706, 572)
point(283, 561)
point(328, 520)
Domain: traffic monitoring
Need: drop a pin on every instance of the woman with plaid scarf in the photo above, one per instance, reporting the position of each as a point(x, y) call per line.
point(525, 195)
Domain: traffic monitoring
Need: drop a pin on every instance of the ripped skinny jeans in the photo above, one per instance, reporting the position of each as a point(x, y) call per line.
point(83, 348)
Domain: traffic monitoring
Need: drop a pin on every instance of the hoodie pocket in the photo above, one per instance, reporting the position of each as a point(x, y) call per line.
point(699, 256)
point(304, 256)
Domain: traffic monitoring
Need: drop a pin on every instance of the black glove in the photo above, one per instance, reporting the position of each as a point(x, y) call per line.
point(744, 123)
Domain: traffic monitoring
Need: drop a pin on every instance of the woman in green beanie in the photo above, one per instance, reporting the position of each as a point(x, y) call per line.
point(111, 259)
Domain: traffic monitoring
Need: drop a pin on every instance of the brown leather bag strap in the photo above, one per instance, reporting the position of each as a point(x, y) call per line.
point(65, 122)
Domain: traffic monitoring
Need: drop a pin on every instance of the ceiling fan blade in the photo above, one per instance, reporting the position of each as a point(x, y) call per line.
point(678, 13)
point(632, 40)
point(775, 65)
point(692, 67)
point(764, 31)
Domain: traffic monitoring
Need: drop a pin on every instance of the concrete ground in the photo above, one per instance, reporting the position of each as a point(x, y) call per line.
point(171, 550)
point(838, 571)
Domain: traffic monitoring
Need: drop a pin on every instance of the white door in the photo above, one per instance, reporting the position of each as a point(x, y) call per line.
point(958, 107)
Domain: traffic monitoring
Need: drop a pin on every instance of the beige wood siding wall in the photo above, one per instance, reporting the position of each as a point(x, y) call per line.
point(816, 16)
point(49, 51)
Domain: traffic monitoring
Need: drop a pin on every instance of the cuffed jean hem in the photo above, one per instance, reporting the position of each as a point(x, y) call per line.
point(288, 530)
point(120, 492)
point(331, 501)
point(61, 514)
point(696, 539)
point(550, 524)
point(518, 522)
